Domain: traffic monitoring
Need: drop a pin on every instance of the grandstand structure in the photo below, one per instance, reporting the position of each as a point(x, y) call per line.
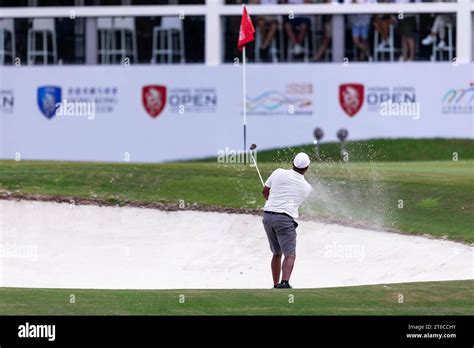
point(212, 32)
point(166, 78)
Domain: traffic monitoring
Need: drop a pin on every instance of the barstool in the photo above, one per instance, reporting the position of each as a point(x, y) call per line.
point(105, 33)
point(448, 48)
point(7, 27)
point(382, 51)
point(168, 41)
point(125, 29)
point(44, 27)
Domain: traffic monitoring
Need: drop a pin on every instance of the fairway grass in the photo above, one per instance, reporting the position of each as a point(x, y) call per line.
point(381, 150)
point(378, 150)
point(433, 198)
point(427, 298)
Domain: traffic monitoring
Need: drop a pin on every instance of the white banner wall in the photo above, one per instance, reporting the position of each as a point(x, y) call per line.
point(162, 113)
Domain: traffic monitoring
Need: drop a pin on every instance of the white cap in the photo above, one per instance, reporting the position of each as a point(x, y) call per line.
point(301, 160)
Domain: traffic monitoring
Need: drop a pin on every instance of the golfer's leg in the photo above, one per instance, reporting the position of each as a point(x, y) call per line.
point(287, 267)
point(285, 230)
point(274, 247)
point(276, 269)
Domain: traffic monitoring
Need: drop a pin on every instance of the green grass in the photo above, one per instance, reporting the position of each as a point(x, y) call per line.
point(386, 150)
point(410, 185)
point(378, 150)
point(430, 298)
point(436, 196)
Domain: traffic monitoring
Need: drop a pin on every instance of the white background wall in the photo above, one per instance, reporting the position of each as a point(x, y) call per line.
point(173, 136)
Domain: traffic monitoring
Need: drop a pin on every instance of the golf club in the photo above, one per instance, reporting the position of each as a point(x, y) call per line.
point(253, 147)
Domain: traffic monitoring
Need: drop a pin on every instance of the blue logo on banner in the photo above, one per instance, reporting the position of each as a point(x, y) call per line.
point(48, 98)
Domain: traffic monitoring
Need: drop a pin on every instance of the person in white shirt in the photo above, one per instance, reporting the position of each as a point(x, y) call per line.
point(284, 191)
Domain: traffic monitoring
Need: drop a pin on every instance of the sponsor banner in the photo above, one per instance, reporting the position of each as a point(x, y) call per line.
point(104, 97)
point(181, 100)
point(181, 115)
point(353, 96)
point(76, 100)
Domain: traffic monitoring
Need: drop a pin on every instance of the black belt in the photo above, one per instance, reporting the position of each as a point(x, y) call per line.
point(275, 213)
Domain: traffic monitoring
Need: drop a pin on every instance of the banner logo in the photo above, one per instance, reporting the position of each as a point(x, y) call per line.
point(49, 98)
point(295, 99)
point(154, 99)
point(351, 98)
point(458, 101)
point(192, 100)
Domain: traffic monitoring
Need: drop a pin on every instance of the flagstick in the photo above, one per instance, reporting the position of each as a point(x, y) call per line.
point(244, 99)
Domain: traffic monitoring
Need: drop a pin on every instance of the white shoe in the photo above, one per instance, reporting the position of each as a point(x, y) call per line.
point(401, 59)
point(441, 44)
point(371, 59)
point(298, 49)
point(382, 45)
point(427, 40)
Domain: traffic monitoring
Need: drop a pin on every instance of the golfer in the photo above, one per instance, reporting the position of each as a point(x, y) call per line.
point(284, 191)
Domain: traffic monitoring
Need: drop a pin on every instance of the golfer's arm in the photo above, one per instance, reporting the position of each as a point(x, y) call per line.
point(266, 192)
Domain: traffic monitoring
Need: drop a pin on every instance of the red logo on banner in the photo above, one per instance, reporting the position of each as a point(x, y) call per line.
point(351, 97)
point(154, 99)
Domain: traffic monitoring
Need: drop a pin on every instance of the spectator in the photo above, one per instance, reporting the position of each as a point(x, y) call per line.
point(360, 31)
point(267, 26)
point(438, 28)
point(407, 29)
point(302, 24)
point(382, 25)
point(327, 35)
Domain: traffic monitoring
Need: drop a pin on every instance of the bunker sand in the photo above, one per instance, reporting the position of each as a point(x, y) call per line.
point(57, 245)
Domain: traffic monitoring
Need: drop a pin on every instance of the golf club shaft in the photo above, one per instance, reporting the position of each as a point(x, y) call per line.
point(258, 171)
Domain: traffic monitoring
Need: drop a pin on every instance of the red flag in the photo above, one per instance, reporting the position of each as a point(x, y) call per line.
point(247, 31)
